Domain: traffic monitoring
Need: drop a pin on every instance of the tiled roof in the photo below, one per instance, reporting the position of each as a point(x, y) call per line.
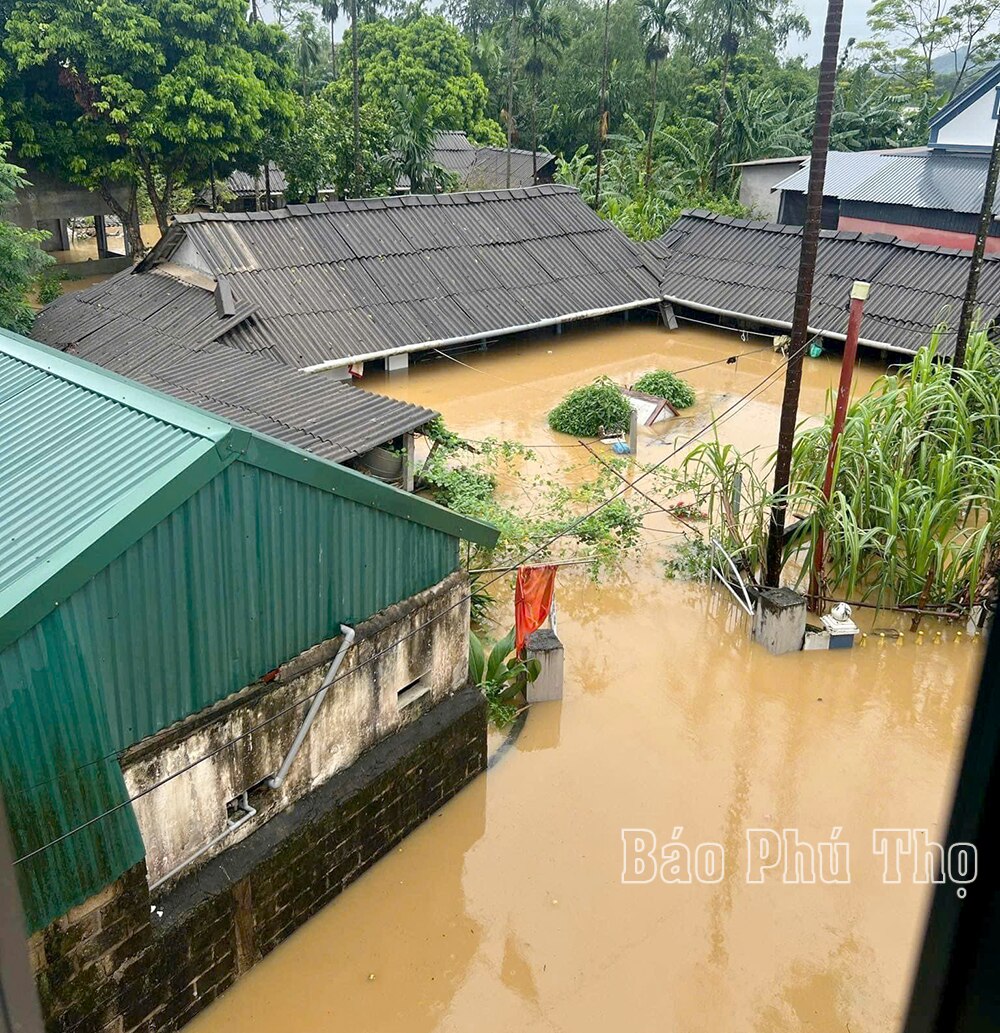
point(748, 269)
point(349, 280)
point(166, 334)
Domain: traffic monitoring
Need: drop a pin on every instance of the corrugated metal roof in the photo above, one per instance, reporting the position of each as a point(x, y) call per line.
point(164, 333)
point(921, 179)
point(749, 269)
point(92, 460)
point(350, 279)
point(844, 171)
point(72, 460)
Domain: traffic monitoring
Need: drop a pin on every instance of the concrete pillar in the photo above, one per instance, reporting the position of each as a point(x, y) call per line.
point(393, 363)
point(667, 313)
point(779, 620)
point(633, 432)
point(544, 646)
point(101, 233)
point(409, 462)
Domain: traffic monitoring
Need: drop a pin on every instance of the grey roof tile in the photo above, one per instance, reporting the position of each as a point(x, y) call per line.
point(735, 266)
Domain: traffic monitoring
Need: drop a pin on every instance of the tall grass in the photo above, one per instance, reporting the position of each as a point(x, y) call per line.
point(914, 518)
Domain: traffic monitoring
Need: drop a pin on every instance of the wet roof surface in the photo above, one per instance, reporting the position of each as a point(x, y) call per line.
point(747, 268)
point(349, 279)
point(166, 334)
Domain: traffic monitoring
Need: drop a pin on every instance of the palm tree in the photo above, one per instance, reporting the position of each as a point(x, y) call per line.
point(978, 251)
point(515, 13)
point(660, 20)
point(544, 29)
point(355, 99)
point(413, 136)
point(803, 290)
point(740, 18)
point(330, 10)
point(602, 108)
point(306, 49)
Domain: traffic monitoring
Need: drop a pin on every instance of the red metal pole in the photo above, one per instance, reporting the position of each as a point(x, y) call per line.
point(859, 295)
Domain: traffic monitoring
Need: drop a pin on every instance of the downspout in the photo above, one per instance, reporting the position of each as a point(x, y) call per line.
point(275, 782)
point(231, 826)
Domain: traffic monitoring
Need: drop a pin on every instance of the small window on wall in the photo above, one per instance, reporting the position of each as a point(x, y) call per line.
point(413, 691)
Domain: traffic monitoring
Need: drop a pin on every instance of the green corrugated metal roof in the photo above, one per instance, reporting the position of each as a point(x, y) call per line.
point(91, 461)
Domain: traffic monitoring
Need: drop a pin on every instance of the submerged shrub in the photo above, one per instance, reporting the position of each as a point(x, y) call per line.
point(661, 383)
point(588, 412)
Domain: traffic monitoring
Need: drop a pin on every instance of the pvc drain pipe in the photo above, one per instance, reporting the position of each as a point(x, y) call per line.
point(276, 780)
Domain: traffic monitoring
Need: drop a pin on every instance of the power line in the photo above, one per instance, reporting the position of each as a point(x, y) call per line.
point(743, 400)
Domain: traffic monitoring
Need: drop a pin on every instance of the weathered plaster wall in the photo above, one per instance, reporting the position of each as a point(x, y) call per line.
point(756, 182)
point(113, 966)
point(403, 661)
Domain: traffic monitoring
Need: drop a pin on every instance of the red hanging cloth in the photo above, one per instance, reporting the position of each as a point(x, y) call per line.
point(532, 601)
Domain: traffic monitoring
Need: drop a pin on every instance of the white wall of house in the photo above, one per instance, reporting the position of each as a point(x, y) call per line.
point(757, 182)
point(974, 126)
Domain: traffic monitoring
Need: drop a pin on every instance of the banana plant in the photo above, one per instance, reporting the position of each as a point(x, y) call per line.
point(501, 675)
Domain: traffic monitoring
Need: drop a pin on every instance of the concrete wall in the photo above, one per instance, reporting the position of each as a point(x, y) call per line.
point(756, 182)
point(114, 966)
point(381, 686)
point(49, 198)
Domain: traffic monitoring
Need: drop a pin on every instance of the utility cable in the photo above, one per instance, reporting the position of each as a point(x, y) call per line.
point(743, 400)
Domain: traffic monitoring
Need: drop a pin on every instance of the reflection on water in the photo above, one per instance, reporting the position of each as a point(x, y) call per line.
point(506, 911)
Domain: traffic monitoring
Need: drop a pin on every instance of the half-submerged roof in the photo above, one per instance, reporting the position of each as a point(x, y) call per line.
point(345, 281)
point(170, 335)
point(91, 461)
point(744, 269)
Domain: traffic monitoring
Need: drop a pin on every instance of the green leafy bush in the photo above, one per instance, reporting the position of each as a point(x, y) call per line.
point(49, 288)
point(501, 675)
point(599, 408)
point(661, 383)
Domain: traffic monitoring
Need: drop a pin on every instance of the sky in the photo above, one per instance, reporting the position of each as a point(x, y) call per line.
point(855, 24)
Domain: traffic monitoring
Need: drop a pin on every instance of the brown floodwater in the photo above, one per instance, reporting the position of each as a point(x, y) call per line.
point(506, 911)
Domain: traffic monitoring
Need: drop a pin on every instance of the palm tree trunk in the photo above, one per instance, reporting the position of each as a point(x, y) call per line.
point(602, 107)
point(534, 111)
point(652, 117)
point(511, 50)
point(803, 291)
point(720, 121)
point(333, 51)
point(355, 101)
point(978, 252)
point(267, 185)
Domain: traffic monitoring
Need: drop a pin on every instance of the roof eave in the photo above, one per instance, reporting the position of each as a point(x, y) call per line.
point(299, 465)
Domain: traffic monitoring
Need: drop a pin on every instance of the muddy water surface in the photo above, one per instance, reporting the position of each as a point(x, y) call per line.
point(506, 910)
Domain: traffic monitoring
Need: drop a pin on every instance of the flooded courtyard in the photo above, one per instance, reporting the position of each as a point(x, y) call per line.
point(506, 911)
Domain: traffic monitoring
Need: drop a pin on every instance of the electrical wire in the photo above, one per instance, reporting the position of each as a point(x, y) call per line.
point(726, 414)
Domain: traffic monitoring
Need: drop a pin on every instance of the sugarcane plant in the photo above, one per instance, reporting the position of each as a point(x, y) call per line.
point(913, 520)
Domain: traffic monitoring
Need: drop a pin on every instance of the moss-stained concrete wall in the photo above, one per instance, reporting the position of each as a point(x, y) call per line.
point(418, 648)
point(113, 966)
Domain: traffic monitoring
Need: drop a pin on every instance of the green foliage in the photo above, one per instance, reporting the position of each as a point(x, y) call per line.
point(319, 153)
point(691, 560)
point(163, 92)
point(500, 675)
point(591, 411)
point(49, 288)
point(21, 258)
point(491, 481)
point(427, 56)
point(661, 383)
point(413, 139)
point(914, 519)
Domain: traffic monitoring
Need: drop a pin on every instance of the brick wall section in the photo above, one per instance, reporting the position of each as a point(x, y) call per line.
point(112, 966)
